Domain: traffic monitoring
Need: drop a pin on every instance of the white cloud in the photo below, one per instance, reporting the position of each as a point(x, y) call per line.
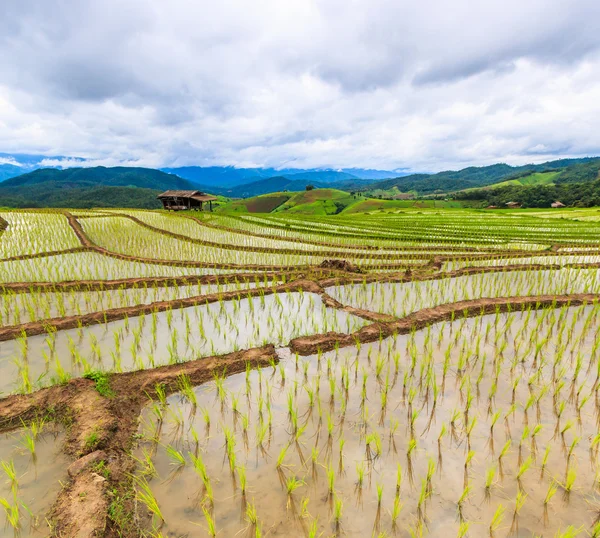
point(364, 83)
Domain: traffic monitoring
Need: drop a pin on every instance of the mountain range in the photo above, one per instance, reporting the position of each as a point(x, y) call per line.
point(137, 187)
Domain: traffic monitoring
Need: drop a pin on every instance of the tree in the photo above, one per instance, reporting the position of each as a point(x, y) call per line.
point(310, 187)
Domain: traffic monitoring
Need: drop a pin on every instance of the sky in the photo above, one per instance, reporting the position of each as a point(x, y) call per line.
point(427, 86)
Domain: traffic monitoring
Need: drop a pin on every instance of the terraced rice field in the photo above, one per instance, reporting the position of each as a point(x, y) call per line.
point(420, 373)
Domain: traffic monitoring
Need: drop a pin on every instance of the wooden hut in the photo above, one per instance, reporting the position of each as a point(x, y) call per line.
point(557, 204)
point(182, 200)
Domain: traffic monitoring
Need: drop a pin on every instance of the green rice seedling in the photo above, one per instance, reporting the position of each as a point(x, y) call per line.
point(28, 443)
point(313, 529)
point(519, 502)
point(490, 476)
point(373, 446)
point(159, 389)
point(341, 456)
point(8, 467)
point(360, 478)
point(468, 459)
point(291, 485)
point(569, 532)
point(395, 514)
point(443, 432)
point(184, 386)
point(552, 489)
point(241, 470)
point(304, 513)
point(211, 528)
point(412, 445)
point(337, 514)
point(497, 519)
point(398, 479)
point(176, 457)
point(314, 458)
point(534, 433)
point(13, 513)
point(330, 481)
point(145, 495)
point(522, 470)
point(461, 502)
point(572, 447)
point(463, 529)
point(502, 454)
point(570, 478)
point(421, 506)
point(147, 468)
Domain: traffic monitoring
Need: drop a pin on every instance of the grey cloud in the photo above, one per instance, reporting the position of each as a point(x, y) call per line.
point(368, 83)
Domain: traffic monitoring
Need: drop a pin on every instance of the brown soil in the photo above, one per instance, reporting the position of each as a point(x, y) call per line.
point(45, 254)
point(160, 281)
point(341, 265)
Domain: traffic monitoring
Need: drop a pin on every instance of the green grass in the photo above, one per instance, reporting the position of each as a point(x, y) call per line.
point(537, 178)
point(258, 204)
point(102, 381)
point(326, 202)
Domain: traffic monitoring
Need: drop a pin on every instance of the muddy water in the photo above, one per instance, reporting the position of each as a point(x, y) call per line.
point(400, 299)
point(37, 479)
point(168, 337)
point(16, 308)
point(537, 353)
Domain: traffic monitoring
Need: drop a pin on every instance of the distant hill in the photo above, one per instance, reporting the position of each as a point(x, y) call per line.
point(89, 187)
point(571, 170)
point(281, 183)
point(229, 177)
point(219, 176)
point(327, 202)
point(314, 202)
point(9, 170)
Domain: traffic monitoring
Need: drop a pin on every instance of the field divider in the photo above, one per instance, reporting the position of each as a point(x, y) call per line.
point(114, 314)
point(325, 277)
point(46, 254)
point(309, 345)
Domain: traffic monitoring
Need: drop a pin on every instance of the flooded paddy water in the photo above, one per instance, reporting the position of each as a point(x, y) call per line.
point(94, 266)
point(401, 299)
point(17, 308)
point(31, 468)
point(167, 337)
point(548, 260)
point(483, 427)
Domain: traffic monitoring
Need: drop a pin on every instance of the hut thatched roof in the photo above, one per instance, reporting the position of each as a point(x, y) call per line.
point(196, 195)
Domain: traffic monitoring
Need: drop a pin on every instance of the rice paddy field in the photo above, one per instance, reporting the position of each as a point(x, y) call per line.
point(415, 373)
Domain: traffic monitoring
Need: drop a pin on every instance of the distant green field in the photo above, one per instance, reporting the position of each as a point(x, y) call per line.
point(324, 202)
point(537, 178)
